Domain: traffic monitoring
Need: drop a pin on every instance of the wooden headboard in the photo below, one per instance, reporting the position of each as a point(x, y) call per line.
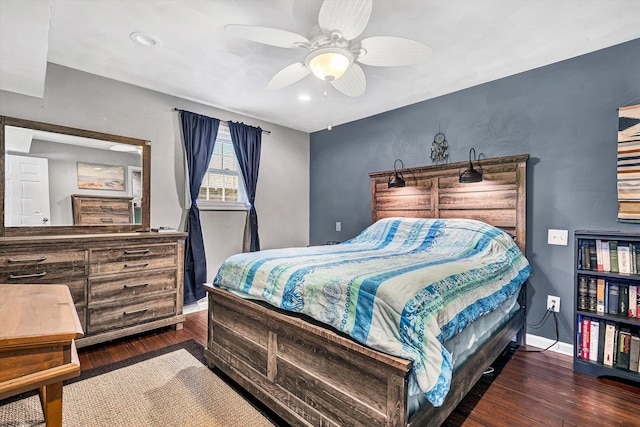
point(434, 192)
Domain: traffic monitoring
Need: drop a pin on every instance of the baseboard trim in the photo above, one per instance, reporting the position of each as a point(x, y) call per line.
point(196, 306)
point(542, 342)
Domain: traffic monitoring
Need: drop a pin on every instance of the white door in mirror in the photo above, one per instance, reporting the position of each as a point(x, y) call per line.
point(26, 191)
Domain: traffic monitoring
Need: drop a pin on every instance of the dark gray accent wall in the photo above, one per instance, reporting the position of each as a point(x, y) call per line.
point(564, 115)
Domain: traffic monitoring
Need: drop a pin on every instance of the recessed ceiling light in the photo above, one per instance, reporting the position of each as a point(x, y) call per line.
point(304, 98)
point(145, 39)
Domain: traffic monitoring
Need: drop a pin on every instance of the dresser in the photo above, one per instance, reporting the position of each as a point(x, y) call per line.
point(99, 210)
point(121, 283)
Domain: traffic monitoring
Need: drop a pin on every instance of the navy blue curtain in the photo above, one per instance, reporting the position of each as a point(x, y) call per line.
point(199, 135)
point(247, 142)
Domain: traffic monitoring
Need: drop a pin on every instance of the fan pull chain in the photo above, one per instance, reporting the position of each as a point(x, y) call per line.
point(327, 88)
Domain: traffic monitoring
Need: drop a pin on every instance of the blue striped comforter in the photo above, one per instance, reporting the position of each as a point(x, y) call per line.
point(403, 286)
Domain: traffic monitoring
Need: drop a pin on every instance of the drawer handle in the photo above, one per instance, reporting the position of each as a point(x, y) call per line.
point(106, 208)
point(13, 260)
point(137, 285)
point(138, 265)
point(140, 310)
point(28, 276)
point(106, 219)
point(135, 251)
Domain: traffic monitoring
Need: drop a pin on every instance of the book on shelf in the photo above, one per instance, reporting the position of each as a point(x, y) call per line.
point(623, 299)
point(613, 255)
point(592, 294)
point(594, 338)
point(585, 255)
point(634, 353)
point(586, 335)
point(593, 255)
point(609, 343)
point(583, 297)
point(601, 339)
point(599, 256)
point(624, 349)
point(613, 298)
point(624, 258)
point(600, 296)
point(634, 258)
point(606, 258)
point(578, 348)
point(633, 301)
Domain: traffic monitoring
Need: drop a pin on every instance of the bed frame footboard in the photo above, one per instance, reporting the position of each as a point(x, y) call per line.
point(307, 374)
point(313, 376)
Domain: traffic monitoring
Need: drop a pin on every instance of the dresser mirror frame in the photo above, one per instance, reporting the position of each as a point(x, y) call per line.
point(46, 230)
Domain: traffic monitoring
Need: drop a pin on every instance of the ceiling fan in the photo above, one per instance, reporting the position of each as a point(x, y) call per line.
point(333, 51)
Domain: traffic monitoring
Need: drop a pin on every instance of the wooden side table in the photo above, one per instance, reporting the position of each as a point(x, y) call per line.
point(38, 325)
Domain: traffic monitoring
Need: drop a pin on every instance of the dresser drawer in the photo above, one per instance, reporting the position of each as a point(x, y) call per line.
point(133, 259)
point(95, 210)
point(40, 267)
point(115, 316)
point(41, 258)
point(103, 205)
point(126, 286)
point(104, 218)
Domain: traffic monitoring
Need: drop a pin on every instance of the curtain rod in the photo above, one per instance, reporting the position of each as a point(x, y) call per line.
point(268, 132)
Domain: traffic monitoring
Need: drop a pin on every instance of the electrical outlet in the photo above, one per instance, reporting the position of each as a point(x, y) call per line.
point(338, 226)
point(553, 303)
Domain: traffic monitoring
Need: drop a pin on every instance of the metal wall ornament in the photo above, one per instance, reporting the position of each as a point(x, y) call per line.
point(439, 149)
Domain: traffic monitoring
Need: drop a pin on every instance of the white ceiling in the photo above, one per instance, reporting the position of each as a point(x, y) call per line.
point(474, 41)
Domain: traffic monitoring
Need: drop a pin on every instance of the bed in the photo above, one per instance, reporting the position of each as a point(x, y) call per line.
point(310, 373)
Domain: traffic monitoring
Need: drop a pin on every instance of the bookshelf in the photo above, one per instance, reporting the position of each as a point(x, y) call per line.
point(606, 315)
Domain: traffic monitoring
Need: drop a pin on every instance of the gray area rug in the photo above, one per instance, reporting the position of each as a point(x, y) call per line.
point(171, 389)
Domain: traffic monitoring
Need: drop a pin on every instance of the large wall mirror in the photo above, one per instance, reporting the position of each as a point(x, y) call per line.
point(61, 180)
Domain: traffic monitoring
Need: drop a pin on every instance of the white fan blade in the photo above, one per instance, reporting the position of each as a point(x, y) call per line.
point(288, 75)
point(353, 82)
point(349, 17)
point(266, 35)
point(384, 51)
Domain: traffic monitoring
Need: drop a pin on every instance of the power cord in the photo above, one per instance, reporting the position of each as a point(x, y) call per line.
point(550, 310)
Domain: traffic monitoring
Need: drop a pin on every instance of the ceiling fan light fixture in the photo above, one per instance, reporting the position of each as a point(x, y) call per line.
point(329, 63)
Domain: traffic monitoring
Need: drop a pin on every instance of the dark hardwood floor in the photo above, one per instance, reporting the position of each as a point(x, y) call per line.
point(531, 389)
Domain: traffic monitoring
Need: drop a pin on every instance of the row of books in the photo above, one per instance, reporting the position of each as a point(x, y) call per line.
point(609, 256)
point(607, 343)
point(607, 296)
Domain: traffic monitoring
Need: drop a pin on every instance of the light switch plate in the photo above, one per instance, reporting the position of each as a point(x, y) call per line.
point(558, 237)
point(338, 226)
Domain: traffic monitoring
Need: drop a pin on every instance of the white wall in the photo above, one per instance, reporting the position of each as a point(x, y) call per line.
point(77, 99)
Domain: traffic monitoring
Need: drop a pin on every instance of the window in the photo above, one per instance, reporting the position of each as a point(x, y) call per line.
point(222, 185)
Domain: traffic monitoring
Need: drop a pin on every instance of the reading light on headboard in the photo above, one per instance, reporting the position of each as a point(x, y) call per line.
point(471, 175)
point(396, 179)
